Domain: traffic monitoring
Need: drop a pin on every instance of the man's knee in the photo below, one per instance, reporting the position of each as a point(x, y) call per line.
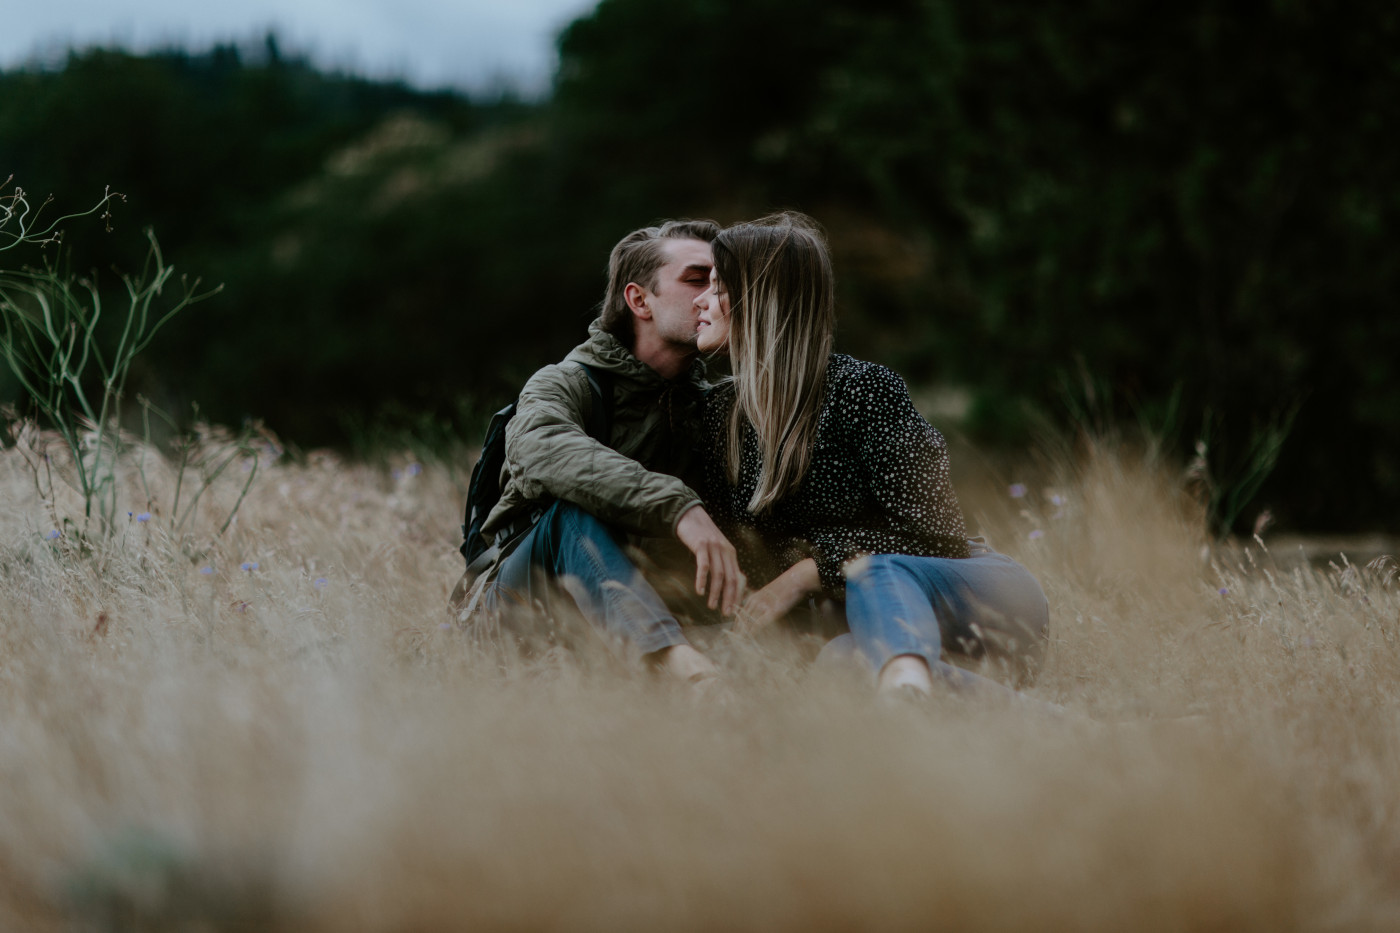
point(562, 518)
point(569, 541)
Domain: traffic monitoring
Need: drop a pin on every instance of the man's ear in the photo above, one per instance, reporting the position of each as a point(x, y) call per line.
point(636, 298)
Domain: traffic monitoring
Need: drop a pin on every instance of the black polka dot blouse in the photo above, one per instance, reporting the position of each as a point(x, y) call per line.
point(877, 483)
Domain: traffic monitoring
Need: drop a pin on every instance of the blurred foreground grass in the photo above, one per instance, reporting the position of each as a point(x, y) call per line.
point(272, 730)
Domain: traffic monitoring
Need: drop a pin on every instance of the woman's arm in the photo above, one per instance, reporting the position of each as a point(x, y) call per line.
point(905, 461)
point(899, 465)
point(787, 590)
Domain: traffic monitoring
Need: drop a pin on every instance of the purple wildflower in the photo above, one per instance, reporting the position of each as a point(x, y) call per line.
point(1224, 591)
point(414, 469)
point(1017, 490)
point(54, 533)
point(144, 517)
point(1036, 534)
point(206, 570)
point(321, 583)
point(250, 565)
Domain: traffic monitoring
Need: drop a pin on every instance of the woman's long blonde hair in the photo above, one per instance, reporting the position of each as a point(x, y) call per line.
point(782, 319)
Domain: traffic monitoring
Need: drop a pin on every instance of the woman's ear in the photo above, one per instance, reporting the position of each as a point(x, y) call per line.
point(636, 298)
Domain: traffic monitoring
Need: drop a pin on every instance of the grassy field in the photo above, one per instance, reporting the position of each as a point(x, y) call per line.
point(277, 730)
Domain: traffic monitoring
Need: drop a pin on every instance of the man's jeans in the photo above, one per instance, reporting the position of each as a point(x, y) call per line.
point(900, 604)
point(570, 550)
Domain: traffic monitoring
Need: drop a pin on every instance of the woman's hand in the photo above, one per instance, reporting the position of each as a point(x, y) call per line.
point(760, 610)
point(766, 606)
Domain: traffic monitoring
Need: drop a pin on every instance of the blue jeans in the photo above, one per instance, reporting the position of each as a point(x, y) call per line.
point(570, 550)
point(983, 604)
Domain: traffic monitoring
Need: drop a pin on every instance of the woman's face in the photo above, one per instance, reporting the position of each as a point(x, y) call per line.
point(712, 328)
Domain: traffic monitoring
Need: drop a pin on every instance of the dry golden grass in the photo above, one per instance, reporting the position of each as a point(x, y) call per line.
point(251, 750)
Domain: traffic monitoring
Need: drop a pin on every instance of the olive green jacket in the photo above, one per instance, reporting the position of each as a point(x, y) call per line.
point(633, 481)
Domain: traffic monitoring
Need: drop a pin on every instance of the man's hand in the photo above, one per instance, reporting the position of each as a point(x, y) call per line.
point(716, 563)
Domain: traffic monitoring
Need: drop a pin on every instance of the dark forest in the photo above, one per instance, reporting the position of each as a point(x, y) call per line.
point(1066, 214)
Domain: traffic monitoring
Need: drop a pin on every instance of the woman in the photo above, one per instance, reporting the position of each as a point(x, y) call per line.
point(830, 482)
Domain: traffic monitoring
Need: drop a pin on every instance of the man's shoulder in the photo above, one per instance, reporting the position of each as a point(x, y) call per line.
point(600, 352)
point(604, 351)
point(574, 381)
point(554, 377)
point(615, 369)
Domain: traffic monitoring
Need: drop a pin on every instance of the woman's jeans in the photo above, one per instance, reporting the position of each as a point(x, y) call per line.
point(570, 550)
point(985, 604)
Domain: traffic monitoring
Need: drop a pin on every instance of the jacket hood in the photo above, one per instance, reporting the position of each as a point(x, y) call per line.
point(605, 351)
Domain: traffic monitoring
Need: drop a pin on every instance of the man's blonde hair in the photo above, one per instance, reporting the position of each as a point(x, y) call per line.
point(782, 322)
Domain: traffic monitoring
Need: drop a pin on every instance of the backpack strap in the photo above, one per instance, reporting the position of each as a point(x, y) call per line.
point(600, 415)
point(598, 426)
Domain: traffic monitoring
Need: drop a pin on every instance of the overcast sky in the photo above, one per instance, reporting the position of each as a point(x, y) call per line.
point(433, 43)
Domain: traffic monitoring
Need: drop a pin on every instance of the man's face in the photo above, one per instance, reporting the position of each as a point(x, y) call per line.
point(684, 275)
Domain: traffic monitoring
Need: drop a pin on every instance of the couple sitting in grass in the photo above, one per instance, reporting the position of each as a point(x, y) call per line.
point(806, 477)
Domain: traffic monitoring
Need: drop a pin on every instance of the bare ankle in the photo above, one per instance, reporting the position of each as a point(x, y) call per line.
point(683, 662)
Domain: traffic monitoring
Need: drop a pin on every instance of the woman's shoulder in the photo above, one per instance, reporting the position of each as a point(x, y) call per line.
point(719, 395)
point(850, 378)
point(718, 400)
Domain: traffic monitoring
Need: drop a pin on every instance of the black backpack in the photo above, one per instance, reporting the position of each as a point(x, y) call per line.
point(485, 489)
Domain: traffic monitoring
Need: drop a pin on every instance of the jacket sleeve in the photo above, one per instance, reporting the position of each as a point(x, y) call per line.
point(906, 464)
point(550, 456)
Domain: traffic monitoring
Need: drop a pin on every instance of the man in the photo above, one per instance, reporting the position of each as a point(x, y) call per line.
point(567, 497)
